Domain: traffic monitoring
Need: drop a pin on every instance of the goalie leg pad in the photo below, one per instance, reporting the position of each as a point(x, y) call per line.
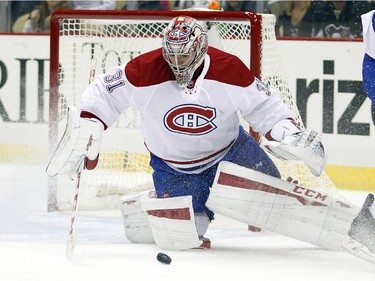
point(283, 207)
point(172, 222)
point(135, 219)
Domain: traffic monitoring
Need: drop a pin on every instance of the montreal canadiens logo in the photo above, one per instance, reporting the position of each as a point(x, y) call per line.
point(190, 119)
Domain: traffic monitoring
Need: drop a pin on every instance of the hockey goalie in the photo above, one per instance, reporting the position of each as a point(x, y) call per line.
point(189, 96)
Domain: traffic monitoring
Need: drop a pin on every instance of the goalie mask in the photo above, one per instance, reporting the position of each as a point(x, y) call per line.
point(184, 44)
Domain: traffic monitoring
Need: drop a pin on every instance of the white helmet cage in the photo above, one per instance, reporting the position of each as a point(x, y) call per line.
point(184, 37)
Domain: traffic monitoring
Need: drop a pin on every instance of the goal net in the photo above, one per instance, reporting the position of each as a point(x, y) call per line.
point(79, 38)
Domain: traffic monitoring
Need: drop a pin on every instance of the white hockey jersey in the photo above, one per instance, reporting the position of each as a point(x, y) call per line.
point(186, 127)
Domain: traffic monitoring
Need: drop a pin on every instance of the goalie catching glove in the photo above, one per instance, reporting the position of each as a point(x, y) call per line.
point(292, 144)
point(81, 140)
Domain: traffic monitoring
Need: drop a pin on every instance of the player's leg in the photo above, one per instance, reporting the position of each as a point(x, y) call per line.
point(174, 216)
point(308, 215)
point(171, 183)
point(169, 222)
point(246, 152)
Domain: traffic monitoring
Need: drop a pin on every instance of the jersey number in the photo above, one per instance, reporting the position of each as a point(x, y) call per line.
point(114, 81)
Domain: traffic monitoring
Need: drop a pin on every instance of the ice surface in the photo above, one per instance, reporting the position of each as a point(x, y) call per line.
point(33, 242)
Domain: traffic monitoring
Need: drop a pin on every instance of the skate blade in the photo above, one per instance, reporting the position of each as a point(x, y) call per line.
point(359, 250)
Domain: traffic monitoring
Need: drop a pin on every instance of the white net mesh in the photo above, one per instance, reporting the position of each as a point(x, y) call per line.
point(123, 165)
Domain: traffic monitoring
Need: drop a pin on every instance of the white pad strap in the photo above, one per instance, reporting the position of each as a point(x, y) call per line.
point(283, 207)
point(172, 222)
point(305, 146)
point(81, 138)
point(135, 219)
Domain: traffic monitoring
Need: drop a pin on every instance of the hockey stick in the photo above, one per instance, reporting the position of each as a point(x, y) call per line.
point(72, 233)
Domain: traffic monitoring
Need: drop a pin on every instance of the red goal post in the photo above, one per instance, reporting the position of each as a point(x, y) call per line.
point(114, 37)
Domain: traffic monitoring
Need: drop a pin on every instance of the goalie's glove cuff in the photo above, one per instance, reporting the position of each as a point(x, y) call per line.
point(305, 145)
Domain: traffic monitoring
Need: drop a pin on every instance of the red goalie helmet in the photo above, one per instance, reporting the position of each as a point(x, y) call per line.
point(185, 44)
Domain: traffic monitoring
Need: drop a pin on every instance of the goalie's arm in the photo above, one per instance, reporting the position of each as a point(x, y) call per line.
point(287, 142)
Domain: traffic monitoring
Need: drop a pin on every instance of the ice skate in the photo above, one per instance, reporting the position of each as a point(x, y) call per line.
point(206, 243)
point(361, 242)
point(363, 227)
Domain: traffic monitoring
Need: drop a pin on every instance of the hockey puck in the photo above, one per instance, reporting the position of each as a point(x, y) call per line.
point(163, 258)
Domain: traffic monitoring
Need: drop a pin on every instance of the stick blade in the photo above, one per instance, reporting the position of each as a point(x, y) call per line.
point(70, 246)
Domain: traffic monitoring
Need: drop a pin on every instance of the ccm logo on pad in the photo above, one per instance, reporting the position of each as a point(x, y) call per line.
point(190, 119)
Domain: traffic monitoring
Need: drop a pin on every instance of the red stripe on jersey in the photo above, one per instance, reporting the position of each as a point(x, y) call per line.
point(190, 162)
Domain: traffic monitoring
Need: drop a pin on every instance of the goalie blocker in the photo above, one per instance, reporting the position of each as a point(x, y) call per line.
point(81, 139)
point(292, 210)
